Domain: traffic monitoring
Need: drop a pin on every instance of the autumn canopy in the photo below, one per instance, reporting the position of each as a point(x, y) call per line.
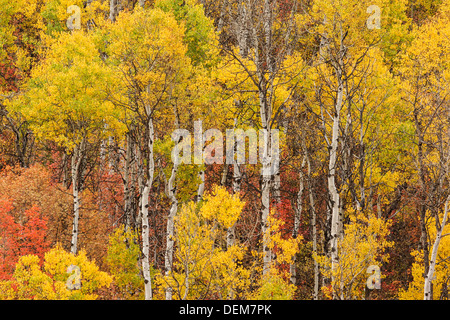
point(314, 138)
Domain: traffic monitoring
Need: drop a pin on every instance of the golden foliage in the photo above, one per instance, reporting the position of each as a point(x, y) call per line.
point(203, 266)
point(363, 244)
point(415, 290)
point(32, 280)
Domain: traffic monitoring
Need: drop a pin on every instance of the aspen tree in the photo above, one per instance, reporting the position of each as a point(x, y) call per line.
point(147, 50)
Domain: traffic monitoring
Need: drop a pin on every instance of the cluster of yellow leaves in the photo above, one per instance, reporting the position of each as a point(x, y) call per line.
point(147, 45)
point(415, 290)
point(429, 51)
point(148, 55)
point(285, 248)
point(335, 17)
point(66, 98)
point(426, 64)
point(363, 244)
point(274, 284)
point(32, 280)
point(39, 22)
point(203, 266)
point(13, 45)
point(69, 95)
point(222, 207)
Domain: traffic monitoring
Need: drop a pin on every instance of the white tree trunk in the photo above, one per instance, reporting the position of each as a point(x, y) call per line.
point(77, 158)
point(265, 106)
point(223, 180)
point(231, 231)
point(128, 184)
point(145, 206)
point(231, 235)
point(334, 194)
point(146, 245)
point(112, 10)
point(276, 186)
point(171, 191)
point(429, 276)
point(201, 186)
point(76, 216)
point(314, 229)
point(242, 31)
point(267, 26)
point(265, 208)
point(168, 255)
point(237, 176)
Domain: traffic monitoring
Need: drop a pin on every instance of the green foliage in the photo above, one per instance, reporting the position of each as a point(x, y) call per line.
point(274, 287)
point(123, 263)
point(199, 34)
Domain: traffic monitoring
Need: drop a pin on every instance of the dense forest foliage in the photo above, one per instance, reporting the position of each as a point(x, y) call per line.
point(130, 167)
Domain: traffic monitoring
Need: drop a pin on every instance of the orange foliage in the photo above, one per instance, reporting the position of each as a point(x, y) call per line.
point(34, 186)
point(20, 238)
point(29, 187)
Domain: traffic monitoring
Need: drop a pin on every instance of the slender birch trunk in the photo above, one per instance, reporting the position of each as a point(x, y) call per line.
point(170, 239)
point(221, 17)
point(77, 158)
point(237, 177)
point(231, 231)
point(427, 292)
point(201, 186)
point(145, 206)
point(199, 147)
point(314, 229)
point(146, 244)
point(334, 194)
point(276, 186)
point(267, 27)
point(326, 242)
point(128, 183)
point(265, 111)
point(168, 255)
point(362, 159)
point(242, 30)
point(231, 235)
point(223, 180)
point(112, 10)
point(422, 205)
point(265, 208)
